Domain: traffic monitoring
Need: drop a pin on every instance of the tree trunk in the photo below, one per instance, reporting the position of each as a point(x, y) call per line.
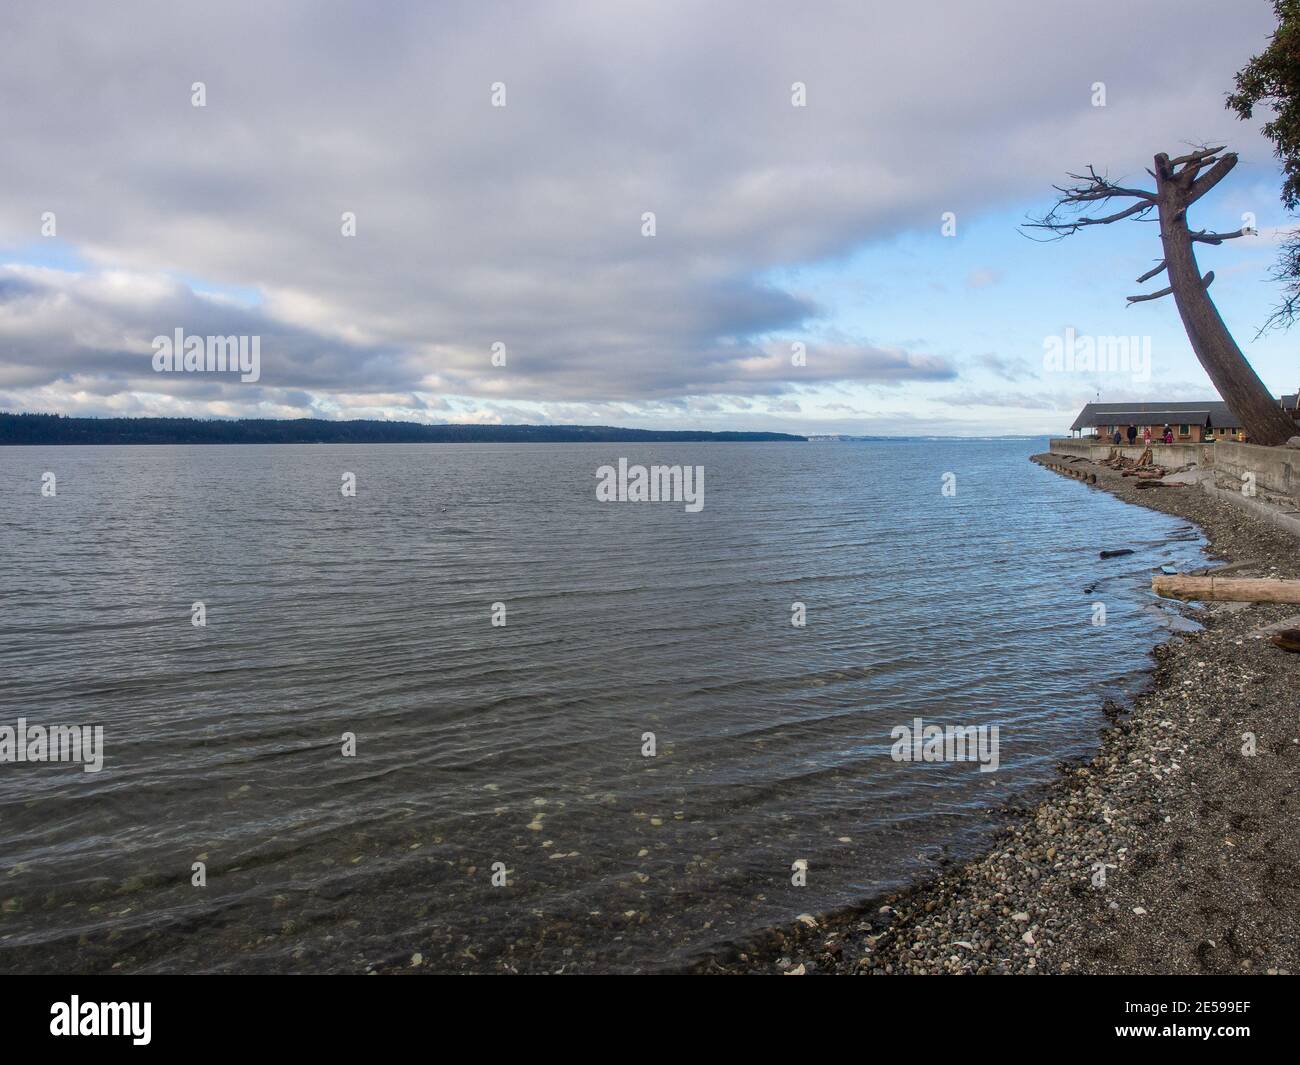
point(1237, 383)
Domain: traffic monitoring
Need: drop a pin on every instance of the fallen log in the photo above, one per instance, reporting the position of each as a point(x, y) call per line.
point(1226, 589)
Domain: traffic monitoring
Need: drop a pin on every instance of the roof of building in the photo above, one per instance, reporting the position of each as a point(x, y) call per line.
point(1095, 414)
point(1218, 412)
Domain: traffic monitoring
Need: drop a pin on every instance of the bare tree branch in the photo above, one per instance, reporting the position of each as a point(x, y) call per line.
point(1185, 169)
point(1104, 193)
point(1152, 272)
point(1089, 188)
point(1205, 283)
point(1151, 295)
point(1094, 186)
point(1211, 177)
point(1196, 156)
point(1219, 238)
point(1063, 227)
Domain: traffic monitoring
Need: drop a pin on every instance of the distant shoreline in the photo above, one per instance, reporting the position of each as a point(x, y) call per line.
point(56, 429)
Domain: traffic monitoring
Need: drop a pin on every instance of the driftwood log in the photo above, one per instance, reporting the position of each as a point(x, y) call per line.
point(1226, 589)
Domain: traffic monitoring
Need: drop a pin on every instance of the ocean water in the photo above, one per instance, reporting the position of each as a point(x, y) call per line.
point(515, 752)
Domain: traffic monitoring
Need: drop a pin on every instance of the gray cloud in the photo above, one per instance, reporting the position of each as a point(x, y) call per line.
point(98, 328)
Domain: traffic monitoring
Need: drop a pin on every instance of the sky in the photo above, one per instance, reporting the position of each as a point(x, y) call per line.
point(499, 161)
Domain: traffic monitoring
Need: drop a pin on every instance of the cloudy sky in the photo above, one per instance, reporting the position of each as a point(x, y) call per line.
point(774, 224)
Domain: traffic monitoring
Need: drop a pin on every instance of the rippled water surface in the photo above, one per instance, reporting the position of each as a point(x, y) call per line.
point(522, 744)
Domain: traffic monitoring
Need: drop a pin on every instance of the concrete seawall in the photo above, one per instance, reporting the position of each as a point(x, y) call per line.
point(1175, 456)
point(1276, 470)
point(1269, 475)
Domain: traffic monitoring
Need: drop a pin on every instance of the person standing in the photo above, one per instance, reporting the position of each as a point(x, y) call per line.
point(1146, 436)
point(1132, 435)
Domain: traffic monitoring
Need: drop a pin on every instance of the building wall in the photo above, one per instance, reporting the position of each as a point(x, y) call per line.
point(1195, 434)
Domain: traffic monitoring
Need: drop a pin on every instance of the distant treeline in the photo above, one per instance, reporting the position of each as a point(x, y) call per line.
point(57, 429)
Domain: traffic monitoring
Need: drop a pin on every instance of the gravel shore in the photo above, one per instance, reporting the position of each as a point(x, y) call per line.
point(1200, 840)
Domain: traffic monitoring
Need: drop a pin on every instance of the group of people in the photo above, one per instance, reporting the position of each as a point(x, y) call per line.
point(1166, 436)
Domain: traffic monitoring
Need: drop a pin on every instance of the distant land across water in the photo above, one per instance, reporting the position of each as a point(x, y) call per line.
point(58, 429)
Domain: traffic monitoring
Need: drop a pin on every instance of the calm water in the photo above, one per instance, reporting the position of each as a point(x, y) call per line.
point(522, 744)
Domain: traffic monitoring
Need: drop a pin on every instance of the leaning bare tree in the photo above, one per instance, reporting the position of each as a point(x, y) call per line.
point(1180, 183)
